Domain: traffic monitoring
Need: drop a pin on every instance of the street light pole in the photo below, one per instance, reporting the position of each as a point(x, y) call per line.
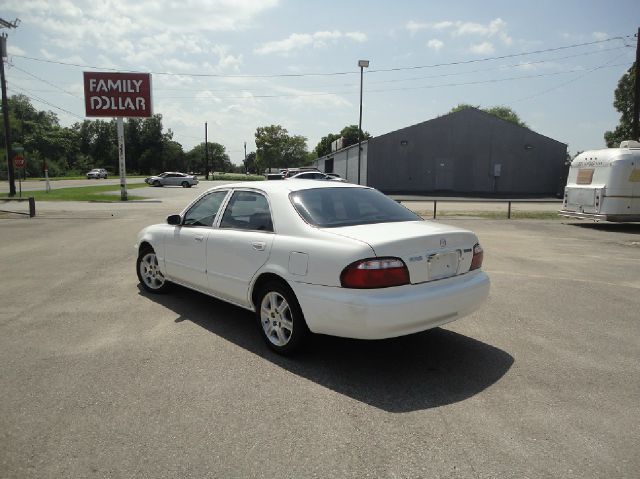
point(362, 64)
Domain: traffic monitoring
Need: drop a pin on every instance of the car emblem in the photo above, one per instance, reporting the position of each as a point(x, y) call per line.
point(443, 243)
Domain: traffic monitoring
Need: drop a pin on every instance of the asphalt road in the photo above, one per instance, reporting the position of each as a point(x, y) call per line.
point(99, 379)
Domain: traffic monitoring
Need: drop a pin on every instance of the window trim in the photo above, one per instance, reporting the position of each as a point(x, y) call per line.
point(197, 200)
point(225, 205)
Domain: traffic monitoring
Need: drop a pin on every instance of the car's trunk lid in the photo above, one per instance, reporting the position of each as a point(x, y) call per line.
point(430, 250)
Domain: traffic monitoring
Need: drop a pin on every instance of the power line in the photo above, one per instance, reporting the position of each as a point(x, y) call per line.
point(397, 80)
point(604, 65)
point(383, 90)
point(41, 100)
point(46, 81)
point(297, 75)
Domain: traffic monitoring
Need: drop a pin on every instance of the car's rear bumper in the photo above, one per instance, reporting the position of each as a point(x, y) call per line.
point(390, 312)
point(615, 218)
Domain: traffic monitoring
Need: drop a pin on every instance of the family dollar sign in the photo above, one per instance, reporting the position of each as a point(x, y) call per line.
point(117, 94)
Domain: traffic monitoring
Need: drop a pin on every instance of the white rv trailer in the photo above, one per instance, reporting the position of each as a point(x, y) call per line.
point(604, 185)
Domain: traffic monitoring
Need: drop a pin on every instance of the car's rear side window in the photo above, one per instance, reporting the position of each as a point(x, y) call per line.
point(204, 211)
point(247, 210)
point(334, 207)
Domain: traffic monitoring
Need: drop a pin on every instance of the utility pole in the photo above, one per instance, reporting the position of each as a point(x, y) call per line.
point(5, 104)
point(206, 153)
point(635, 131)
point(245, 158)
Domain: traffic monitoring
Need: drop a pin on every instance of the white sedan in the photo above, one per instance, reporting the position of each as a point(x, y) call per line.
point(322, 257)
point(172, 178)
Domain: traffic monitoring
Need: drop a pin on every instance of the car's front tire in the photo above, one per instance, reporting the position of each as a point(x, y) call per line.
point(185, 184)
point(151, 278)
point(157, 183)
point(280, 318)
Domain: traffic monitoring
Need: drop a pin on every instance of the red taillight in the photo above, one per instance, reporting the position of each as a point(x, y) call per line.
point(478, 254)
point(375, 273)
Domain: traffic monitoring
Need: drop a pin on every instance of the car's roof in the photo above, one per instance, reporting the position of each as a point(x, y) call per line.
point(287, 186)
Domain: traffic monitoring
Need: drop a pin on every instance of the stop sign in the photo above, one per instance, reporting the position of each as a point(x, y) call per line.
point(18, 161)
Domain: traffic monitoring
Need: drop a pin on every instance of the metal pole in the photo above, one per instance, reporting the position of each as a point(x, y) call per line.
point(635, 131)
point(509, 211)
point(7, 129)
point(245, 158)
point(360, 125)
point(435, 205)
point(206, 153)
point(121, 159)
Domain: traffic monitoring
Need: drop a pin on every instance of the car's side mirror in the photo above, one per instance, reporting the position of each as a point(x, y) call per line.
point(174, 220)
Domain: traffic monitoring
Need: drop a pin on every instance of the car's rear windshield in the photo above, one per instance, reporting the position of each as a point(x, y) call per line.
point(335, 207)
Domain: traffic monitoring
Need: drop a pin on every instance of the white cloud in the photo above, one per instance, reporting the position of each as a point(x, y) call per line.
point(435, 44)
point(356, 36)
point(495, 28)
point(295, 40)
point(299, 40)
point(414, 27)
point(227, 61)
point(443, 25)
point(600, 35)
point(140, 33)
point(13, 50)
point(484, 48)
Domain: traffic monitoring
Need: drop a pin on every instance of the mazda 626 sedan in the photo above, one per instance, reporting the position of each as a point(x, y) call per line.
point(316, 257)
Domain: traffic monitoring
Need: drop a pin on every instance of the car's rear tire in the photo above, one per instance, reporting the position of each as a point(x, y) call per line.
point(280, 318)
point(151, 278)
point(185, 184)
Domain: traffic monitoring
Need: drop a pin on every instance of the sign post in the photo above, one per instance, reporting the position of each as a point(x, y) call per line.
point(121, 160)
point(120, 95)
point(18, 162)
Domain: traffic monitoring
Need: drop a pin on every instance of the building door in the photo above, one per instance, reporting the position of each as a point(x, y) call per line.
point(444, 174)
point(328, 165)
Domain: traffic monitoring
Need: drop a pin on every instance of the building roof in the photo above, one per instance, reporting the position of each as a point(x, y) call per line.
point(471, 111)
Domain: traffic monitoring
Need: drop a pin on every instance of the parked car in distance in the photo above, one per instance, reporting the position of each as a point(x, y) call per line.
point(274, 176)
point(289, 172)
point(172, 178)
point(314, 175)
point(97, 173)
point(335, 176)
point(316, 257)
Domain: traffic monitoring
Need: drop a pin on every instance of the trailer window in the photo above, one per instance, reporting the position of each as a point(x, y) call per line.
point(585, 176)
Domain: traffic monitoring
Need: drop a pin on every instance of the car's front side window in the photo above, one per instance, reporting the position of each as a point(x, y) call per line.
point(247, 210)
point(204, 211)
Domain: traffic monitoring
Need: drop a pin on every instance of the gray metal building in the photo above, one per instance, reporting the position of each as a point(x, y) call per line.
point(468, 151)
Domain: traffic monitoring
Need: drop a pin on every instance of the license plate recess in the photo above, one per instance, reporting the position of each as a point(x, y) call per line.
point(443, 265)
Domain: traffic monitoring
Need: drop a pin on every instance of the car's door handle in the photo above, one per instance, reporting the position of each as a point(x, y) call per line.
point(258, 245)
point(199, 238)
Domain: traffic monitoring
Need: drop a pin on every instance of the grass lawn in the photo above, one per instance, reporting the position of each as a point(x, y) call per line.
point(84, 193)
point(58, 178)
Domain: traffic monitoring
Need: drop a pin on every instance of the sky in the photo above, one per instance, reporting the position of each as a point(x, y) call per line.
point(242, 64)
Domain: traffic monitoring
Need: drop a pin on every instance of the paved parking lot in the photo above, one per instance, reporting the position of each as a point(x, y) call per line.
point(99, 379)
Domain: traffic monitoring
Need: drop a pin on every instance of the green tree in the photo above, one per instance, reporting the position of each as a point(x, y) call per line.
point(218, 158)
point(463, 106)
point(503, 112)
point(277, 149)
point(250, 162)
point(623, 103)
point(350, 135)
point(324, 145)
